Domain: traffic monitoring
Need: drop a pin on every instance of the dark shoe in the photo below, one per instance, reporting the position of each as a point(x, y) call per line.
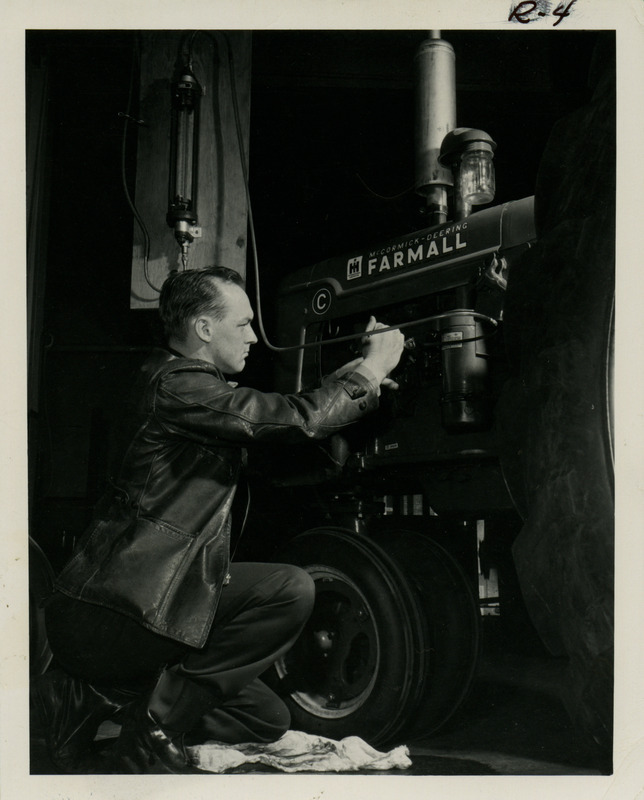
point(70, 712)
point(145, 748)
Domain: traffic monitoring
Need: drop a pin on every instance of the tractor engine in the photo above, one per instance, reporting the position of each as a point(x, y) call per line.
point(444, 287)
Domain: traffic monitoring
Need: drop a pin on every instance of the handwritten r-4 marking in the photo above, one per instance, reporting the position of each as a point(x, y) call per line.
point(529, 10)
point(562, 12)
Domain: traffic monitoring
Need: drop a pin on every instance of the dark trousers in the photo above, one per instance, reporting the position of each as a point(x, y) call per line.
point(214, 692)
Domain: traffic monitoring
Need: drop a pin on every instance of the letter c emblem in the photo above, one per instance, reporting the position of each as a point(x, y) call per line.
point(321, 302)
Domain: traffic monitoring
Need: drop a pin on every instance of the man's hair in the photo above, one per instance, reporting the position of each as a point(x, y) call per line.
point(185, 295)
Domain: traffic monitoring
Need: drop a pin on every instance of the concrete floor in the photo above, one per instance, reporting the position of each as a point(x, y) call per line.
point(513, 723)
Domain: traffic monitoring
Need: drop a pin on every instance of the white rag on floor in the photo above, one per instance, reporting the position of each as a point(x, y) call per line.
point(301, 752)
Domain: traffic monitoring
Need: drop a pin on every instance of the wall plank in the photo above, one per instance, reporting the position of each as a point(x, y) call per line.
point(221, 203)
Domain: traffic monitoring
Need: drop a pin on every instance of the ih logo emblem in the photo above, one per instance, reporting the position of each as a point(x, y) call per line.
point(354, 268)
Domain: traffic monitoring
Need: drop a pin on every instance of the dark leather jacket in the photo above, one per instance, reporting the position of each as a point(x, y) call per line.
point(158, 547)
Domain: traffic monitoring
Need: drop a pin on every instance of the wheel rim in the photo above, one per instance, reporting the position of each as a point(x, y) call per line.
point(338, 652)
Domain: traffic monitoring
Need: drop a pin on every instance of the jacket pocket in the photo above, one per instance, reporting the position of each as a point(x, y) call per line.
point(141, 567)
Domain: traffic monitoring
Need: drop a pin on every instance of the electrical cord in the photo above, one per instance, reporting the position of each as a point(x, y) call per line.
point(137, 216)
point(244, 521)
point(379, 196)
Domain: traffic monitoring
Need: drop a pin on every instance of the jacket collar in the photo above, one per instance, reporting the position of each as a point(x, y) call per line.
point(163, 360)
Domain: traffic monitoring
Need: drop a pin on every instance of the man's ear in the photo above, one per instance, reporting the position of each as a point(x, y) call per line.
point(203, 328)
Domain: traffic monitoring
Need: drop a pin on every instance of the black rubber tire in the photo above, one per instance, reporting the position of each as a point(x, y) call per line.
point(555, 414)
point(385, 649)
point(452, 625)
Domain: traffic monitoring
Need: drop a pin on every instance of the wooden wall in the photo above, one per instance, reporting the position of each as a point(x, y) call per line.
point(221, 203)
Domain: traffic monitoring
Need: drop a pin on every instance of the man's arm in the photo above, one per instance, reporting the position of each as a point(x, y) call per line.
point(199, 405)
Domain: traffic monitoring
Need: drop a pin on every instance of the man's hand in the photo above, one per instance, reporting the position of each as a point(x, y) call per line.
point(382, 352)
point(380, 357)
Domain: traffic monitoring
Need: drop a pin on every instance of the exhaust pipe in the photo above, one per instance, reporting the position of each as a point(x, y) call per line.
point(435, 117)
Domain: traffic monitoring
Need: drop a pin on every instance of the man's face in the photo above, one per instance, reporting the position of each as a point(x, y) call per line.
point(233, 335)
